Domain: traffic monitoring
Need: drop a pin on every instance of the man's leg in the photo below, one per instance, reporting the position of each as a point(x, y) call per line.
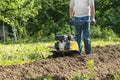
point(78, 32)
point(86, 37)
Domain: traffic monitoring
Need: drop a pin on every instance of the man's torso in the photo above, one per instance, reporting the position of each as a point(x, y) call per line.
point(81, 8)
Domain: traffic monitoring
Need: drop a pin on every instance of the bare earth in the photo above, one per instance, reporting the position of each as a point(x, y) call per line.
point(107, 62)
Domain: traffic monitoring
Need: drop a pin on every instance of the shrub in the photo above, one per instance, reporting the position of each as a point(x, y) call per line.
point(96, 32)
point(106, 34)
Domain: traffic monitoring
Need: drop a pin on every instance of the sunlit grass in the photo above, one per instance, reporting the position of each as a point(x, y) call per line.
point(11, 54)
point(103, 43)
point(22, 53)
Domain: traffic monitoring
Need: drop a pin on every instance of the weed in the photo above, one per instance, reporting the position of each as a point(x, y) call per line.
point(116, 77)
point(77, 76)
point(90, 67)
point(88, 76)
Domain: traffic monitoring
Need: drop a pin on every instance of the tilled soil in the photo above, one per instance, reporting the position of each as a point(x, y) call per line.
point(107, 62)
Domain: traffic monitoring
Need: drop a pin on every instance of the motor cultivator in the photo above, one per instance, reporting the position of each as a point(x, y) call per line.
point(65, 45)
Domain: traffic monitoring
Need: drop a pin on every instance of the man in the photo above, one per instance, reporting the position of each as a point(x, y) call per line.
point(82, 10)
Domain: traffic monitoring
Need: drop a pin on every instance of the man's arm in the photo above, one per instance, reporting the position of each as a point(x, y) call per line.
point(92, 11)
point(71, 11)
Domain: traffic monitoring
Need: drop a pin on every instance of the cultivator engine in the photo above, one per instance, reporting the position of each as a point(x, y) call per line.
point(65, 44)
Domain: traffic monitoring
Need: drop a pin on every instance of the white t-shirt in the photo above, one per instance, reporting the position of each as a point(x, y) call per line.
point(81, 7)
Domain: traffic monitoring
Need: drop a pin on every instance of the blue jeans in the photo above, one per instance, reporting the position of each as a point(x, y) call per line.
point(82, 29)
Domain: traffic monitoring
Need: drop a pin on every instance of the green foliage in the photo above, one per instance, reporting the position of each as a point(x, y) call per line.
point(22, 53)
point(44, 19)
point(106, 33)
point(96, 32)
point(52, 19)
point(107, 14)
point(77, 76)
point(116, 39)
point(44, 78)
point(35, 56)
point(47, 78)
point(116, 77)
point(90, 67)
point(90, 64)
point(17, 13)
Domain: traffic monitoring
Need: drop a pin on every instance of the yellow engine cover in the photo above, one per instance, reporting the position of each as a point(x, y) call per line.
point(74, 45)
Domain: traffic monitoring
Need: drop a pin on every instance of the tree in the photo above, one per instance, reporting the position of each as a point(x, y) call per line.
point(17, 13)
point(107, 14)
point(52, 18)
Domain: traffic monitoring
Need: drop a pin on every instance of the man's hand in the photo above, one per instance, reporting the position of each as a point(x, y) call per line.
point(71, 21)
point(93, 21)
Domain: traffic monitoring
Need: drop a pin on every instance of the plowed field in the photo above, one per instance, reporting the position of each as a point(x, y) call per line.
point(107, 61)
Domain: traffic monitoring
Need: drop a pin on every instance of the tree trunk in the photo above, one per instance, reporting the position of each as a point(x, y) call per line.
point(4, 35)
point(14, 33)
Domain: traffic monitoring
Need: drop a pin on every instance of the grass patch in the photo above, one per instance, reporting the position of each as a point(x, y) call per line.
point(11, 54)
point(22, 53)
point(99, 42)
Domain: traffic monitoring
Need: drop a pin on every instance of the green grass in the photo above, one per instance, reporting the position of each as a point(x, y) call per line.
point(22, 53)
point(11, 54)
point(103, 42)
